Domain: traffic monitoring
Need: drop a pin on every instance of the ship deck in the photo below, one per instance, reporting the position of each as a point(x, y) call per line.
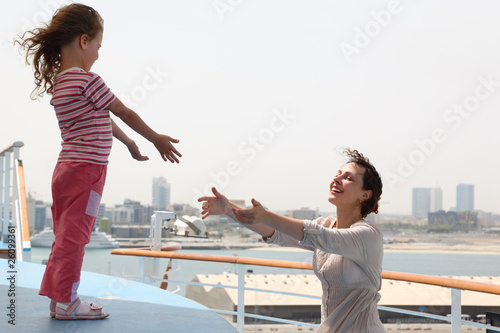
point(133, 306)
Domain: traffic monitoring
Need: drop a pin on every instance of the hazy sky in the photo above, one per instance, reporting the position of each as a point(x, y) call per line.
point(263, 94)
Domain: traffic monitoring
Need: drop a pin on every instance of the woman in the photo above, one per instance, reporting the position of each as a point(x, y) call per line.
point(347, 249)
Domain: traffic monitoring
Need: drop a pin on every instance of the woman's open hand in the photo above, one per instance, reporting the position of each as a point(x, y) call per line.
point(254, 215)
point(214, 205)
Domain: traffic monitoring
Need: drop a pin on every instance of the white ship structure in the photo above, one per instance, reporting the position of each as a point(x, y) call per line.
point(98, 240)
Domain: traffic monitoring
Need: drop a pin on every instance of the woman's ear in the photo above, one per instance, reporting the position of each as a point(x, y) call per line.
point(366, 195)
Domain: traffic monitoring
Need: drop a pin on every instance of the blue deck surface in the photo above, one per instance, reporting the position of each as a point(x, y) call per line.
point(134, 306)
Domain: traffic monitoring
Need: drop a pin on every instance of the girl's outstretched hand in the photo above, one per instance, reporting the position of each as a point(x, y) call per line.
point(216, 205)
point(165, 147)
point(254, 215)
point(134, 151)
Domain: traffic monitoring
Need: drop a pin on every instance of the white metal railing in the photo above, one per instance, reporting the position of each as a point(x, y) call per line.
point(14, 227)
point(456, 286)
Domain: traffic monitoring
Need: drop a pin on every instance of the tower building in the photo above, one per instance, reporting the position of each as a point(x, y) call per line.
point(161, 193)
point(465, 197)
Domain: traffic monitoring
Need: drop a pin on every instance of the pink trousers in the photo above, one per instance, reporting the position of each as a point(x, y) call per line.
point(76, 193)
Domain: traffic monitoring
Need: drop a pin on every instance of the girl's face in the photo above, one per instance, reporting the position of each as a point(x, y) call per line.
point(91, 50)
point(346, 188)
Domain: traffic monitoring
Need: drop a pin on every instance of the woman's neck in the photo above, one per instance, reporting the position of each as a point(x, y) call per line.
point(347, 217)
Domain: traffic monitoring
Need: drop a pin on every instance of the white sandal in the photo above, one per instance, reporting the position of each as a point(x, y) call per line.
point(69, 312)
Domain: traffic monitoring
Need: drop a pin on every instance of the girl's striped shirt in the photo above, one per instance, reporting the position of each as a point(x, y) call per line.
point(80, 99)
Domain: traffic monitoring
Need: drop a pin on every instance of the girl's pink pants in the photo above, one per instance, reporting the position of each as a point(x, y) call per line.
point(76, 193)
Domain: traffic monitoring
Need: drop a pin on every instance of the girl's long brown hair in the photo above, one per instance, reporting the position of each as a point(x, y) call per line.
point(44, 44)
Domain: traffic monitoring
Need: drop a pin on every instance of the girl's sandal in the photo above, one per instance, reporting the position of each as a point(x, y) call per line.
point(78, 310)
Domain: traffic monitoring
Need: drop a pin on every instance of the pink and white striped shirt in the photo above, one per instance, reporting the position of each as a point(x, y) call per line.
point(80, 99)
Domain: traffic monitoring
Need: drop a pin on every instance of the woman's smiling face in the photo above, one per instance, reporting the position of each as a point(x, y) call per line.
point(346, 188)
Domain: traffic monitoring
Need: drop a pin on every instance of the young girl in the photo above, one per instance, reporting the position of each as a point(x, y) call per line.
point(347, 249)
point(63, 53)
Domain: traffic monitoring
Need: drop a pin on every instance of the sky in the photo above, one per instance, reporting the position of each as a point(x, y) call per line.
point(263, 96)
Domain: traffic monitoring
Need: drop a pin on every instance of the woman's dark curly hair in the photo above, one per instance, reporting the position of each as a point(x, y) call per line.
point(371, 181)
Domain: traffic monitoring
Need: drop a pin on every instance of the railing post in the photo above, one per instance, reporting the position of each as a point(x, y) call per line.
point(456, 310)
point(22, 211)
point(6, 197)
point(141, 270)
point(240, 318)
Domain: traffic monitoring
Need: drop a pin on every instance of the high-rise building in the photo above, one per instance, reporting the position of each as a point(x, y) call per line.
point(161, 193)
point(425, 201)
point(421, 202)
point(436, 200)
point(465, 197)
